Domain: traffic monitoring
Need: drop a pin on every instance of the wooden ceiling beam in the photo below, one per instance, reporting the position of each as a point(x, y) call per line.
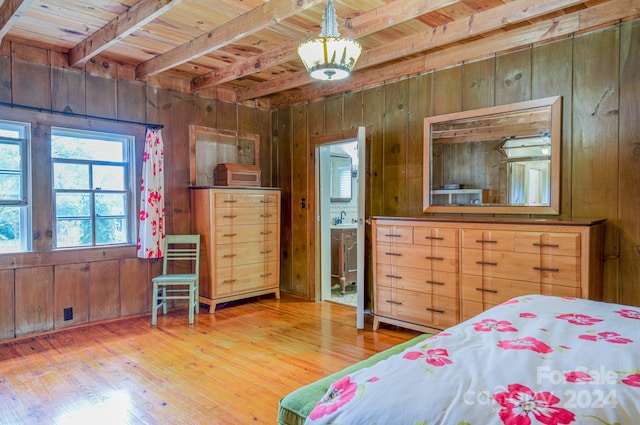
point(123, 25)
point(480, 23)
point(565, 25)
point(10, 12)
point(246, 24)
point(383, 17)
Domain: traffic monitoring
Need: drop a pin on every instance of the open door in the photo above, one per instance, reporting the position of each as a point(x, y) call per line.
point(361, 223)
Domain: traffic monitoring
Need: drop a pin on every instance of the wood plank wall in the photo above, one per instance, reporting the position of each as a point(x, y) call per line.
point(596, 74)
point(102, 283)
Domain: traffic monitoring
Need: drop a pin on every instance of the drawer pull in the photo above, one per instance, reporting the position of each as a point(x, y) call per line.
point(434, 238)
point(266, 274)
point(390, 235)
point(546, 269)
point(394, 254)
point(229, 280)
point(435, 282)
point(393, 276)
point(229, 255)
point(266, 201)
point(266, 252)
point(547, 245)
point(266, 233)
point(266, 215)
point(230, 235)
point(493, 291)
point(486, 263)
point(433, 310)
point(230, 201)
point(230, 216)
point(434, 258)
point(485, 241)
point(394, 302)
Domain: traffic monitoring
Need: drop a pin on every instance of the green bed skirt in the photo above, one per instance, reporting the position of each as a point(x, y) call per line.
point(294, 407)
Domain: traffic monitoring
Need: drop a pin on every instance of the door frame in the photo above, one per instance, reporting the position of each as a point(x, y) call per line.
point(313, 216)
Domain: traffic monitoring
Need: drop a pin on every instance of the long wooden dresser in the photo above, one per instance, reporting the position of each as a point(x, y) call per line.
point(431, 273)
point(240, 253)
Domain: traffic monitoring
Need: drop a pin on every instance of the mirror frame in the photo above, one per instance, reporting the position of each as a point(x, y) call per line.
point(555, 105)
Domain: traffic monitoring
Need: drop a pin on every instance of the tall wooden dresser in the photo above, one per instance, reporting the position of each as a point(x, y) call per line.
point(431, 273)
point(240, 253)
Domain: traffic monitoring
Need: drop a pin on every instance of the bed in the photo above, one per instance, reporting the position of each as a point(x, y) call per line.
point(532, 360)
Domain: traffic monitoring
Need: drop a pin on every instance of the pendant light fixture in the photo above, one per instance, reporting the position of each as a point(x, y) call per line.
point(329, 56)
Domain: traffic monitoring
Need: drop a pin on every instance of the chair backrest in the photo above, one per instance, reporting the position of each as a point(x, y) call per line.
point(181, 248)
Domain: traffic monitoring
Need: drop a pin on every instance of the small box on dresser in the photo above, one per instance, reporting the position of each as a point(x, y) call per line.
point(240, 233)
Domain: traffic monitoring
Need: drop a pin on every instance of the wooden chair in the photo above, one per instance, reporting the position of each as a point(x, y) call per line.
point(177, 286)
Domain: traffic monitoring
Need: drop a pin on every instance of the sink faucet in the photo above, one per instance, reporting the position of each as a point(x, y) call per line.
point(342, 216)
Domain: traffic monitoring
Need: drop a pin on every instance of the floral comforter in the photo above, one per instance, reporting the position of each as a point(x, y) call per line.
point(532, 360)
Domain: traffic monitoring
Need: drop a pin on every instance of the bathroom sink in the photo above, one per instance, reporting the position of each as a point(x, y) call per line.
point(345, 226)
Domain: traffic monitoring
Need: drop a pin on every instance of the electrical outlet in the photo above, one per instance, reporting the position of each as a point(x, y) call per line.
point(68, 313)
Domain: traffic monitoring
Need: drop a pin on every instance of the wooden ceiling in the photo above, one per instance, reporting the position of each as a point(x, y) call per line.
point(249, 46)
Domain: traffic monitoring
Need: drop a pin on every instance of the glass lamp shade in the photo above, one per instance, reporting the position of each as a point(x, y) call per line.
point(329, 58)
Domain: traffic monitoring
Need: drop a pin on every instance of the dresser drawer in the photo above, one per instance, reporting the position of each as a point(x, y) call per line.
point(246, 233)
point(418, 256)
point(508, 265)
point(230, 255)
point(548, 243)
point(416, 307)
point(236, 199)
point(395, 234)
point(417, 280)
point(246, 215)
point(250, 277)
point(435, 236)
point(495, 291)
point(494, 240)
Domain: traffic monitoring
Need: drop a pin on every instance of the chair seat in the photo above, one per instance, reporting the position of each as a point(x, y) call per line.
point(177, 278)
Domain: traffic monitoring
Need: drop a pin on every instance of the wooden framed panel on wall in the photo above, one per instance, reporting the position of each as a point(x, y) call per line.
point(210, 147)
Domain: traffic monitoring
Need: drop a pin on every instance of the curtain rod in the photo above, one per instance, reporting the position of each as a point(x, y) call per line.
point(74, 114)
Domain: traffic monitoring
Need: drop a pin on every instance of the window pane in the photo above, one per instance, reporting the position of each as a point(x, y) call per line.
point(10, 158)
point(108, 177)
point(88, 149)
point(10, 186)
point(110, 204)
point(10, 229)
point(73, 233)
point(73, 205)
point(111, 230)
point(70, 176)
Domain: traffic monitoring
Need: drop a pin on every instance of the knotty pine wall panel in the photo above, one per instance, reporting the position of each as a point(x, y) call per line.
point(289, 200)
point(629, 163)
point(395, 148)
point(68, 91)
point(7, 307)
point(419, 107)
point(104, 290)
point(316, 117)
point(71, 290)
point(5, 79)
point(600, 149)
point(135, 285)
point(34, 300)
point(352, 111)
point(595, 139)
point(300, 232)
point(333, 114)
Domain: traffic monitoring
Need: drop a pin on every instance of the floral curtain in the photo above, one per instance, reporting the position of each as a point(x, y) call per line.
point(151, 232)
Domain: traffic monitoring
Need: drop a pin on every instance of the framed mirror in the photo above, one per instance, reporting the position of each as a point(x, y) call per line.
point(497, 160)
point(340, 177)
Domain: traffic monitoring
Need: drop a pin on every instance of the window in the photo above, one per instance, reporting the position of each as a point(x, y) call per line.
point(14, 189)
point(92, 188)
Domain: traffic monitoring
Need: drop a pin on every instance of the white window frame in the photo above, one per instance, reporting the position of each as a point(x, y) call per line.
point(24, 203)
point(129, 170)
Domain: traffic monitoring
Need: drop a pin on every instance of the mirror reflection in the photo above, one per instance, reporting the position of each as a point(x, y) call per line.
point(502, 159)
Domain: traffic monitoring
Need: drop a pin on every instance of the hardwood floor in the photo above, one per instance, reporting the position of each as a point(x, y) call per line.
point(228, 368)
